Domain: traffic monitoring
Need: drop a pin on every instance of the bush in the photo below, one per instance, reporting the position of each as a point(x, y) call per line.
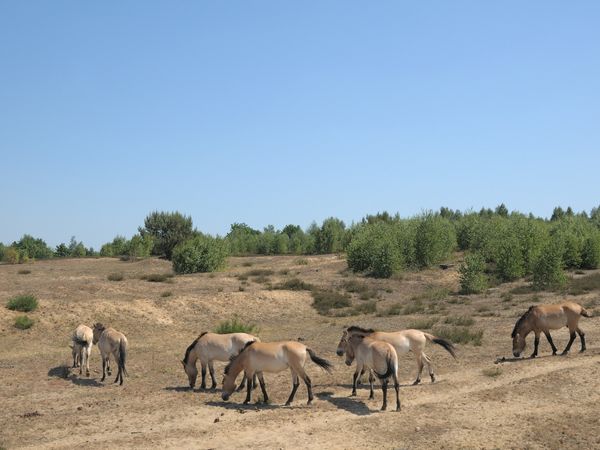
point(472, 277)
point(200, 254)
point(509, 259)
point(23, 303)
point(117, 276)
point(31, 247)
point(158, 277)
point(139, 246)
point(590, 253)
point(117, 247)
point(11, 255)
point(325, 300)
point(459, 335)
point(168, 230)
point(23, 322)
point(294, 284)
point(330, 238)
point(369, 307)
point(375, 250)
point(547, 271)
point(435, 240)
point(235, 325)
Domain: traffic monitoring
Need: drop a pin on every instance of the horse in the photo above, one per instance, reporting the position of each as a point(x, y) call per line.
point(209, 347)
point(82, 338)
point(377, 356)
point(543, 318)
point(111, 342)
point(273, 357)
point(403, 342)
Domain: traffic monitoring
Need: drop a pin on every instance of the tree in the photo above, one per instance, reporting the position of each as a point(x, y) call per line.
point(200, 254)
point(168, 230)
point(472, 277)
point(502, 210)
point(30, 247)
point(331, 236)
point(62, 251)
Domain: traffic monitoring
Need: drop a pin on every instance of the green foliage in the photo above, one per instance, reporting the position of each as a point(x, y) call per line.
point(326, 300)
point(62, 251)
point(435, 240)
point(235, 325)
point(547, 271)
point(330, 238)
point(509, 258)
point(590, 252)
point(23, 303)
point(30, 247)
point(200, 254)
point(459, 334)
point(294, 284)
point(242, 239)
point(375, 250)
point(23, 322)
point(11, 255)
point(472, 276)
point(139, 246)
point(168, 230)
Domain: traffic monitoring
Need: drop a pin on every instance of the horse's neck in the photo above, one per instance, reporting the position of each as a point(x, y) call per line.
point(193, 356)
point(525, 329)
point(238, 365)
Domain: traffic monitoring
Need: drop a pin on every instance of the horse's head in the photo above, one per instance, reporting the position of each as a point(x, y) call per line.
point(97, 329)
point(229, 378)
point(341, 348)
point(519, 344)
point(191, 371)
point(351, 343)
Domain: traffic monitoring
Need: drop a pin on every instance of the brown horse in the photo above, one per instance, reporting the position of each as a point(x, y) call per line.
point(377, 356)
point(259, 357)
point(82, 338)
point(543, 318)
point(111, 342)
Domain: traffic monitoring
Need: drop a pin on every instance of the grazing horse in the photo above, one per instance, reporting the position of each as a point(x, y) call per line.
point(82, 338)
point(209, 347)
point(259, 357)
point(377, 356)
point(403, 342)
point(543, 318)
point(111, 342)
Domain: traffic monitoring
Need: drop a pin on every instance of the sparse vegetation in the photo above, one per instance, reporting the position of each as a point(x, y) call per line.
point(301, 262)
point(166, 294)
point(235, 325)
point(583, 285)
point(462, 321)
point(24, 272)
point(460, 334)
point(492, 372)
point(294, 284)
point(158, 277)
point(115, 276)
point(422, 324)
point(23, 303)
point(369, 307)
point(23, 322)
point(325, 300)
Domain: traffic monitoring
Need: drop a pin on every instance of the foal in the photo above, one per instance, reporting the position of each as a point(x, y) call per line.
point(378, 356)
point(543, 318)
point(111, 342)
point(209, 347)
point(82, 338)
point(259, 357)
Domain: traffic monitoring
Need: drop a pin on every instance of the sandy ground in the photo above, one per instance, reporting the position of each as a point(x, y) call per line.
point(549, 402)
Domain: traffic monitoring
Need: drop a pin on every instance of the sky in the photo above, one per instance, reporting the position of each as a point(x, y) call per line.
point(270, 112)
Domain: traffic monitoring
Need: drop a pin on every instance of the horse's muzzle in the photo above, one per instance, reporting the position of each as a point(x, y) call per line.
point(340, 353)
point(348, 363)
point(516, 354)
point(225, 396)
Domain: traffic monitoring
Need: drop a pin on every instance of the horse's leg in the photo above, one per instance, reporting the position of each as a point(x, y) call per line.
point(419, 358)
point(248, 391)
point(362, 372)
point(211, 369)
point(263, 388)
point(581, 338)
point(87, 360)
point(354, 380)
point(119, 368)
point(571, 339)
point(295, 384)
point(74, 353)
point(397, 388)
point(429, 367)
point(254, 382)
point(108, 371)
point(307, 381)
point(384, 389)
point(371, 379)
point(203, 384)
point(536, 343)
point(547, 333)
point(81, 350)
point(103, 367)
point(243, 383)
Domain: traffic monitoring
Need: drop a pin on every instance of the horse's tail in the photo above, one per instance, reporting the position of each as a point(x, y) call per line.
point(448, 346)
point(322, 363)
point(122, 355)
point(389, 369)
point(585, 313)
point(80, 342)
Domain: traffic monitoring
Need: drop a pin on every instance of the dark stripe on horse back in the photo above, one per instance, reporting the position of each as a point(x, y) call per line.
point(191, 346)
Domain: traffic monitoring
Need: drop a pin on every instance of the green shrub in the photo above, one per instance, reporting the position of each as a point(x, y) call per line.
point(590, 253)
point(472, 277)
point(435, 240)
point(139, 246)
point(330, 238)
point(459, 335)
point(235, 325)
point(510, 264)
point(547, 271)
point(11, 255)
point(294, 284)
point(375, 250)
point(462, 321)
point(200, 254)
point(325, 300)
point(394, 310)
point(23, 322)
point(168, 231)
point(30, 247)
point(166, 294)
point(23, 303)
point(259, 273)
point(369, 307)
point(24, 272)
point(116, 276)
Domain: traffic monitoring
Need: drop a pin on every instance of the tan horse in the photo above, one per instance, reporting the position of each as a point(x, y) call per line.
point(111, 342)
point(82, 338)
point(209, 347)
point(543, 318)
point(273, 357)
point(403, 342)
point(375, 356)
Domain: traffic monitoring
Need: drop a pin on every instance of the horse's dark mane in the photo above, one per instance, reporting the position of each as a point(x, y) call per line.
point(191, 346)
point(234, 357)
point(521, 321)
point(360, 330)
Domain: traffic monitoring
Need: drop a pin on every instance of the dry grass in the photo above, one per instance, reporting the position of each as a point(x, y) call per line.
point(116, 276)
point(583, 285)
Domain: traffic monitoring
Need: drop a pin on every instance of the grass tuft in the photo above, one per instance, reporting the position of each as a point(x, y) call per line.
point(294, 284)
point(461, 321)
point(325, 300)
point(115, 276)
point(23, 322)
point(492, 372)
point(460, 335)
point(166, 294)
point(158, 277)
point(24, 272)
point(422, 324)
point(23, 303)
point(583, 285)
point(235, 325)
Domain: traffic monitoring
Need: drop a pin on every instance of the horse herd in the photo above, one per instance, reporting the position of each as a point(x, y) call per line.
point(375, 352)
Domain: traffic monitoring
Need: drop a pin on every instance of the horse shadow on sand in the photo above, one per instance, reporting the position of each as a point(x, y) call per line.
point(350, 404)
point(64, 372)
point(241, 408)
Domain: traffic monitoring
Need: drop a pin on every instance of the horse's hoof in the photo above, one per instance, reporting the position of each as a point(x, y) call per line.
point(371, 397)
point(433, 378)
point(287, 403)
point(213, 387)
point(565, 353)
point(582, 350)
point(353, 394)
point(553, 353)
point(246, 402)
point(398, 408)
point(416, 382)
point(309, 402)
point(383, 408)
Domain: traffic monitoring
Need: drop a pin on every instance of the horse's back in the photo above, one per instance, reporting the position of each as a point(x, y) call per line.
point(83, 333)
point(402, 341)
point(277, 356)
point(111, 340)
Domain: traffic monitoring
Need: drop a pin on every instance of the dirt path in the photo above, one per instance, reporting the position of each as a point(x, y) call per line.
point(549, 402)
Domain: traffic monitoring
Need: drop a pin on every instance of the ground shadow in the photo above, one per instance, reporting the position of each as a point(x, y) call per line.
point(352, 405)
point(503, 360)
point(61, 371)
point(64, 372)
point(179, 389)
point(240, 407)
point(90, 382)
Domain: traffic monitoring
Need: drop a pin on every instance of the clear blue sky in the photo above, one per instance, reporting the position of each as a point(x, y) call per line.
point(270, 112)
